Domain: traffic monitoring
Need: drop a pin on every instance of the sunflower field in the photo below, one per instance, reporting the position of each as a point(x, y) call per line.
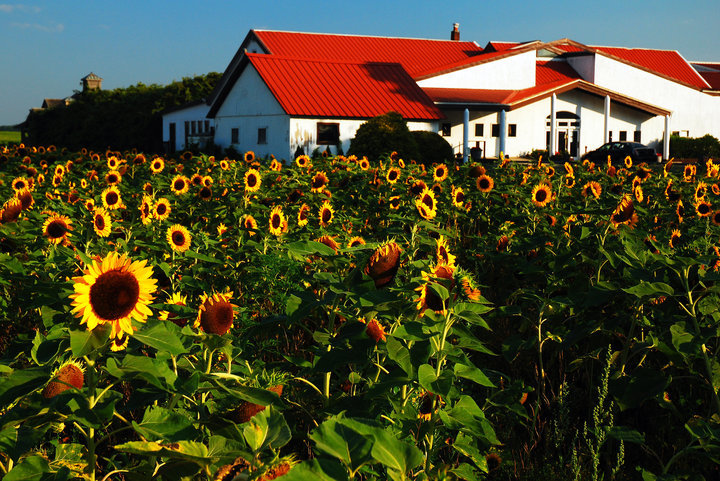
point(339, 318)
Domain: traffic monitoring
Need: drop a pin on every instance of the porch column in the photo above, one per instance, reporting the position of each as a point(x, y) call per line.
point(503, 131)
point(606, 135)
point(666, 139)
point(466, 135)
point(552, 148)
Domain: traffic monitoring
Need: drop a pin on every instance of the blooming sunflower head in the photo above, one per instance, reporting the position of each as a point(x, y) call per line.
point(703, 208)
point(393, 175)
point(111, 198)
point(146, 210)
point(178, 237)
point(318, 182)
point(541, 195)
point(252, 180)
point(249, 223)
point(57, 228)
point(716, 217)
point(384, 264)
point(180, 184)
point(249, 156)
point(624, 213)
point(216, 313)
point(440, 173)
point(278, 222)
point(700, 191)
point(458, 197)
point(429, 299)
point(178, 300)
point(417, 187)
point(20, 183)
point(442, 253)
point(113, 177)
point(356, 241)
point(484, 183)
point(330, 242)
point(101, 222)
point(25, 197)
point(302, 161)
point(275, 165)
point(327, 213)
point(628, 162)
point(593, 189)
point(114, 290)
point(161, 210)
point(157, 165)
point(674, 238)
point(394, 202)
point(426, 204)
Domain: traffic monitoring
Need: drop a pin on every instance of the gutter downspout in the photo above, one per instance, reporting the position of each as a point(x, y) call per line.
point(606, 135)
point(503, 131)
point(666, 139)
point(553, 129)
point(466, 135)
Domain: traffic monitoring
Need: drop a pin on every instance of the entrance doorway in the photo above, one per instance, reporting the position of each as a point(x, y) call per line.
point(567, 133)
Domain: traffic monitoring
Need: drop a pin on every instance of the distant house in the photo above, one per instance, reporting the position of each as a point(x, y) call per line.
point(288, 90)
point(186, 126)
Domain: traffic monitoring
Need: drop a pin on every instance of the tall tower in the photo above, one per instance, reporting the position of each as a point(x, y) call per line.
point(91, 82)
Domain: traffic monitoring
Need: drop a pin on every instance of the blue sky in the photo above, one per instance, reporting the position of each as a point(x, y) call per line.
point(46, 47)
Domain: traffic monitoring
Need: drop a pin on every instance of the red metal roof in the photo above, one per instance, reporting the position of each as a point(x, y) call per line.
point(710, 71)
point(415, 55)
point(322, 88)
point(499, 46)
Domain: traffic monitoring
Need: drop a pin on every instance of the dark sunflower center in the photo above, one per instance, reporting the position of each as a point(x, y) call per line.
point(540, 195)
point(19, 185)
point(326, 215)
point(703, 208)
point(252, 181)
point(217, 317)
point(157, 166)
point(178, 238)
point(428, 201)
point(114, 295)
point(440, 172)
point(99, 222)
point(275, 221)
point(161, 209)
point(111, 198)
point(303, 214)
point(484, 184)
point(56, 228)
point(145, 209)
point(179, 184)
point(112, 178)
point(205, 192)
point(459, 197)
point(716, 218)
point(393, 175)
point(318, 182)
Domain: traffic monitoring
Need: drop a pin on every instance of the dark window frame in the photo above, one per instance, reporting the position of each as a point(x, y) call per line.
point(235, 135)
point(262, 136)
point(479, 130)
point(622, 136)
point(512, 130)
point(496, 130)
point(327, 133)
point(637, 136)
point(446, 129)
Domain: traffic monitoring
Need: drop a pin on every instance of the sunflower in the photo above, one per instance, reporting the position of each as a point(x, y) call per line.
point(59, 171)
point(671, 194)
point(689, 172)
point(224, 164)
point(148, 188)
point(628, 162)
point(20, 183)
point(303, 214)
point(176, 299)
point(302, 161)
point(442, 254)
point(484, 183)
point(327, 213)
point(569, 181)
point(278, 222)
point(102, 222)
point(375, 330)
point(674, 238)
point(329, 241)
point(249, 156)
point(700, 191)
point(113, 177)
point(157, 165)
point(205, 193)
point(716, 217)
point(680, 211)
point(476, 171)
point(638, 193)
point(384, 264)
point(356, 241)
point(216, 313)
point(69, 375)
point(393, 175)
point(458, 197)
point(703, 208)
point(426, 204)
point(57, 228)
point(592, 188)
point(113, 162)
point(249, 223)
point(364, 163)
point(111, 198)
point(624, 213)
point(207, 181)
point(428, 297)
point(180, 184)
point(318, 182)
point(394, 202)
point(178, 237)
point(161, 211)
point(25, 197)
point(417, 187)
point(541, 195)
point(440, 173)
point(146, 210)
point(196, 179)
point(114, 291)
point(569, 169)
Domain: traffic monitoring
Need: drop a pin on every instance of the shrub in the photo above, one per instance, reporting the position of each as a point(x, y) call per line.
point(382, 135)
point(698, 148)
point(432, 147)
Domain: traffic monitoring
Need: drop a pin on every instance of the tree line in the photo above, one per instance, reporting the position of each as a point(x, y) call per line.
point(122, 118)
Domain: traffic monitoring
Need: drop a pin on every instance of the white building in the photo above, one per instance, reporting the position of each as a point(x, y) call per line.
point(187, 126)
point(286, 90)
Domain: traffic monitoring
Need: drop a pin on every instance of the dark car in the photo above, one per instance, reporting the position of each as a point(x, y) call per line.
point(618, 151)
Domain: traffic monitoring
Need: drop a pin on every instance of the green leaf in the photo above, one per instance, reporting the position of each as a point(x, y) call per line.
point(401, 355)
point(622, 433)
point(31, 468)
point(45, 350)
point(632, 390)
point(317, 470)
point(394, 453)
point(20, 383)
point(186, 450)
point(267, 429)
point(467, 417)
point(83, 343)
point(472, 373)
point(161, 337)
point(650, 289)
point(202, 257)
point(411, 331)
point(342, 442)
point(161, 424)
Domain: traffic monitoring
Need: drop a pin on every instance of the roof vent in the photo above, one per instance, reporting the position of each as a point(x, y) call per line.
point(455, 34)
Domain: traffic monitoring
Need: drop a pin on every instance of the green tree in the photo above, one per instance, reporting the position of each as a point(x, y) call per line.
point(382, 135)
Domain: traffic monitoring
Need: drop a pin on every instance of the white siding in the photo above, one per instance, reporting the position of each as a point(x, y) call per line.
point(515, 72)
point(179, 117)
point(248, 107)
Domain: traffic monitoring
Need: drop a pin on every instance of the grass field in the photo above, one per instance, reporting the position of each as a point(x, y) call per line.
point(9, 136)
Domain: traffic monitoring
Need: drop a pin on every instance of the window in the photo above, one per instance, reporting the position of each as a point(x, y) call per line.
point(610, 136)
point(479, 130)
point(328, 133)
point(512, 130)
point(637, 137)
point(235, 136)
point(207, 126)
point(187, 127)
point(445, 130)
point(262, 135)
point(496, 130)
point(623, 136)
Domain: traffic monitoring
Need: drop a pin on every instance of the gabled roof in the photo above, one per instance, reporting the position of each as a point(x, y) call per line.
point(330, 89)
point(710, 72)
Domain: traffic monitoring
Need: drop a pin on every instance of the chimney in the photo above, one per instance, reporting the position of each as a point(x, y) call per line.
point(455, 34)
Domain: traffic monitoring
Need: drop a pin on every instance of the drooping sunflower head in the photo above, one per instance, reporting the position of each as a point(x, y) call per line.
point(426, 204)
point(216, 313)
point(458, 197)
point(356, 241)
point(484, 183)
point(275, 165)
point(180, 184)
point(205, 193)
point(541, 195)
point(69, 375)
point(178, 237)
point(252, 180)
point(25, 197)
point(384, 264)
point(330, 242)
point(394, 202)
point(146, 210)
point(440, 274)
point(674, 238)
point(114, 290)
point(700, 191)
point(111, 198)
point(568, 168)
point(375, 331)
point(57, 228)
point(624, 213)
point(278, 222)
point(417, 187)
point(318, 182)
point(327, 213)
point(628, 162)
point(249, 223)
point(593, 189)
point(178, 300)
point(442, 253)
point(440, 173)
point(638, 193)
point(303, 215)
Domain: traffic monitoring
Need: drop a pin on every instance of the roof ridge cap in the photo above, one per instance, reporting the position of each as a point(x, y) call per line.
point(318, 60)
point(367, 36)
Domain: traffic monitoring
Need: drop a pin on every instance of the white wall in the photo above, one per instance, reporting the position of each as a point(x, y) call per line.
point(691, 109)
point(249, 106)
point(515, 72)
point(196, 112)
